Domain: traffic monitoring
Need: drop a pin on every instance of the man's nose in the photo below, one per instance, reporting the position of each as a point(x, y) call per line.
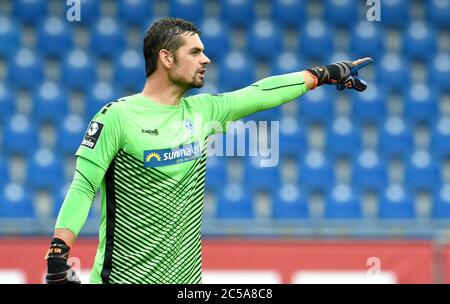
point(206, 60)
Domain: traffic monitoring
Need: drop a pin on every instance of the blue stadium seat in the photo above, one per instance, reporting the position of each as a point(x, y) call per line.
point(107, 38)
point(44, 170)
point(135, 12)
point(9, 36)
point(421, 104)
point(343, 139)
point(237, 13)
point(50, 103)
point(78, 70)
point(215, 38)
point(420, 41)
point(55, 38)
point(269, 115)
point(129, 71)
point(421, 172)
point(146, 25)
point(236, 71)
point(394, 72)
point(30, 11)
point(369, 172)
point(216, 173)
point(289, 203)
point(316, 173)
point(16, 202)
point(440, 209)
point(99, 95)
point(220, 142)
point(338, 56)
point(289, 12)
point(59, 195)
point(440, 139)
point(264, 40)
point(439, 71)
point(22, 136)
point(396, 203)
point(7, 104)
point(69, 134)
point(293, 141)
point(369, 106)
point(191, 10)
point(253, 138)
point(367, 39)
point(437, 13)
point(26, 69)
point(90, 11)
point(286, 62)
point(4, 171)
point(341, 13)
point(234, 203)
point(258, 178)
point(342, 203)
point(395, 13)
point(395, 138)
point(316, 41)
point(317, 106)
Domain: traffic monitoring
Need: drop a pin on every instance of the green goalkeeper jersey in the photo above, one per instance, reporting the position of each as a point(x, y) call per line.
point(154, 161)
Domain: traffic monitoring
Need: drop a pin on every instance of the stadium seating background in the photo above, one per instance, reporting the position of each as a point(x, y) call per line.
point(351, 164)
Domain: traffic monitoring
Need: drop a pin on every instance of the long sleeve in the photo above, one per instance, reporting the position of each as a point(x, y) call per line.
point(81, 194)
point(265, 94)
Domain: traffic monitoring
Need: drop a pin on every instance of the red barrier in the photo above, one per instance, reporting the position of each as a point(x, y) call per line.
point(290, 261)
point(446, 264)
point(411, 262)
point(27, 255)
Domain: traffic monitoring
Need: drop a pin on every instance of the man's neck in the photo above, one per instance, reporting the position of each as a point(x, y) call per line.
point(161, 90)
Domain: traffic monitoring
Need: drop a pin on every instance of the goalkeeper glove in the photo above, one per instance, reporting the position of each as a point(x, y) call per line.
point(58, 271)
point(343, 74)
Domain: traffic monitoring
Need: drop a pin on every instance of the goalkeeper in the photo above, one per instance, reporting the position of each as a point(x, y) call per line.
point(147, 154)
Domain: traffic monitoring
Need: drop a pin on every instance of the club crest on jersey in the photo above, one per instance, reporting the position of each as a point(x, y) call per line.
point(189, 126)
point(92, 134)
point(165, 157)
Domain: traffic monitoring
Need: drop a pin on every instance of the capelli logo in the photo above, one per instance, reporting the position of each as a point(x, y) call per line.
point(151, 132)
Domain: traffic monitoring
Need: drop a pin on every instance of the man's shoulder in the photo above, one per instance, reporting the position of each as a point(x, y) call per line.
point(114, 109)
point(120, 103)
point(199, 98)
point(126, 101)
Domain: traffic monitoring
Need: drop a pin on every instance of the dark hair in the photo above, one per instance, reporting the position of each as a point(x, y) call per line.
point(164, 34)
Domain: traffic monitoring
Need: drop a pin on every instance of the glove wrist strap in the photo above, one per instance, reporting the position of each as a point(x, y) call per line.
point(320, 75)
point(58, 249)
point(330, 74)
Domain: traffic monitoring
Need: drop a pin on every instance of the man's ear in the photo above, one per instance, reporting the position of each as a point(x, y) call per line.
point(166, 58)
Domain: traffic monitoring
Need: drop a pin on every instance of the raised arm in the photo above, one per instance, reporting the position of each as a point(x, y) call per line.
point(274, 91)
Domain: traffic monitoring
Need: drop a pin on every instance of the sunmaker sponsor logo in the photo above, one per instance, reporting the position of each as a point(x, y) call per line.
point(171, 156)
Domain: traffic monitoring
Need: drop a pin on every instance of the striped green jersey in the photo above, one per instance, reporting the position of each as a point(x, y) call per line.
point(152, 192)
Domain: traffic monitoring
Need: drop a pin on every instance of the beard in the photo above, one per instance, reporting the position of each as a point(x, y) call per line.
point(187, 84)
point(181, 81)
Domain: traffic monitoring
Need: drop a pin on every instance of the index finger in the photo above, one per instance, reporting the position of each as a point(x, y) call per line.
point(362, 62)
